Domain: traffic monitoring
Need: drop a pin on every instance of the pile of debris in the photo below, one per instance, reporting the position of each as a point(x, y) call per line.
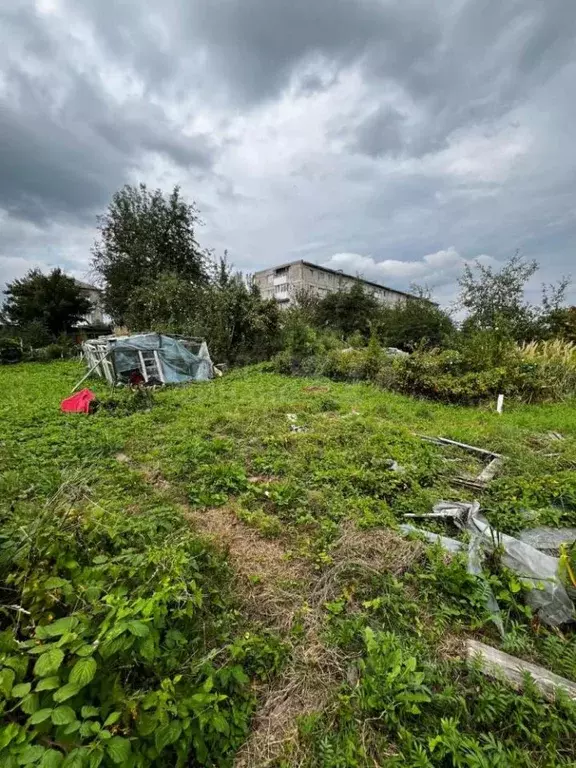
point(531, 556)
point(142, 360)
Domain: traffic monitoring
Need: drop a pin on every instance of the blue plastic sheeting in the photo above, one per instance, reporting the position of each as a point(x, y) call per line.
point(178, 363)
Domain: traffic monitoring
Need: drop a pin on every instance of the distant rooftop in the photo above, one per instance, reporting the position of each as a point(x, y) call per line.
point(87, 286)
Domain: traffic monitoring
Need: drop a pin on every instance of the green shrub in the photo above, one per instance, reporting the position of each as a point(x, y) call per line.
point(485, 364)
point(414, 323)
point(10, 351)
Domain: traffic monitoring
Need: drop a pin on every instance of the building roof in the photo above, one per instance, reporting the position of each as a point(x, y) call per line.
point(87, 286)
point(344, 274)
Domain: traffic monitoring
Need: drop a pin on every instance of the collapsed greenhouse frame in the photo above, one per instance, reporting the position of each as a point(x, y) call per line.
point(151, 358)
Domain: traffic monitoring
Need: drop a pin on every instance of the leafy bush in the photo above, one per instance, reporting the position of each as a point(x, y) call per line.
point(483, 366)
point(104, 658)
point(414, 323)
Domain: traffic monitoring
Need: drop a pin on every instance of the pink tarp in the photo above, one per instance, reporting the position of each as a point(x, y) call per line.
point(78, 403)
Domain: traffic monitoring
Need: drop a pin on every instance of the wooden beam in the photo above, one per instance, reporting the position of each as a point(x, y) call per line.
point(500, 665)
point(490, 470)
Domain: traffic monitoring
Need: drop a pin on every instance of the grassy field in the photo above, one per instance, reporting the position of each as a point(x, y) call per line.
point(226, 557)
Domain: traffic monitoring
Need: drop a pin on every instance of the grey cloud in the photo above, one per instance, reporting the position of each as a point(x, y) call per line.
point(64, 145)
point(251, 47)
point(429, 75)
point(490, 57)
point(380, 133)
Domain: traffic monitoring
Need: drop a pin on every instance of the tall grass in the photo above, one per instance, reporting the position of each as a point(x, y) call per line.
point(553, 350)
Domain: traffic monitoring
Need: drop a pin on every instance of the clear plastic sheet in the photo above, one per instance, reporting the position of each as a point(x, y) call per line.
point(179, 364)
point(547, 597)
point(548, 539)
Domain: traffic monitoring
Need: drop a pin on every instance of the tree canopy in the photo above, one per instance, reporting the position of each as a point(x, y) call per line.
point(414, 323)
point(144, 235)
point(348, 311)
point(495, 300)
point(54, 301)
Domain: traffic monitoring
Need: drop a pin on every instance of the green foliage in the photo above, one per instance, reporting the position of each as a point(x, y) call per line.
point(125, 642)
point(109, 659)
point(239, 326)
point(164, 304)
point(483, 367)
point(414, 323)
point(347, 311)
point(144, 235)
point(53, 302)
point(10, 351)
point(562, 323)
point(495, 300)
point(224, 309)
point(390, 686)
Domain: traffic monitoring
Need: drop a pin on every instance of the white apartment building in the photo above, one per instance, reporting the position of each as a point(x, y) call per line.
point(285, 281)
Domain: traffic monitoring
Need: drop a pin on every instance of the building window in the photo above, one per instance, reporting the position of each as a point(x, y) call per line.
point(281, 271)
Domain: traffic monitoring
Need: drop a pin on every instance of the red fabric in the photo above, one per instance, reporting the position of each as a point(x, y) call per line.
point(78, 403)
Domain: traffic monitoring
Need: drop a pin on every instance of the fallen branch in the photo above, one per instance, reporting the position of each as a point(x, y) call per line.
point(498, 665)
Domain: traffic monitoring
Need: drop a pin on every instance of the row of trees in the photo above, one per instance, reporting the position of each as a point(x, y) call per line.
point(494, 302)
point(156, 276)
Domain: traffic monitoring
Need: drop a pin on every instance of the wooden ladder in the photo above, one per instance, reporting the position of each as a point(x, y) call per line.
point(150, 365)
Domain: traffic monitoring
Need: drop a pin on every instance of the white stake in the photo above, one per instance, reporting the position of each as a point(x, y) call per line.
point(500, 404)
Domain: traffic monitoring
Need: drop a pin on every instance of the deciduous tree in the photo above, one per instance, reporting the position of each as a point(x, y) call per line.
point(143, 235)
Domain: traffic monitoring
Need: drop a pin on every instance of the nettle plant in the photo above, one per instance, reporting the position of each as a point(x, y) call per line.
point(116, 645)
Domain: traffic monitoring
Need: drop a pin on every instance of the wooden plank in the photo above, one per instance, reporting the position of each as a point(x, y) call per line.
point(490, 470)
point(465, 481)
point(500, 665)
point(446, 441)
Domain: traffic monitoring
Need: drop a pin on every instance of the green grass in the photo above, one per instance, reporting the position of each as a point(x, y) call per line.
point(410, 702)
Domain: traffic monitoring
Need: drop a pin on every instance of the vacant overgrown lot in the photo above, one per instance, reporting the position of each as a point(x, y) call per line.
point(213, 575)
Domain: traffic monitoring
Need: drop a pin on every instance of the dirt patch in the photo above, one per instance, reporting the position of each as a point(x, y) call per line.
point(374, 551)
point(311, 678)
point(451, 647)
point(263, 479)
point(271, 583)
point(315, 389)
point(380, 549)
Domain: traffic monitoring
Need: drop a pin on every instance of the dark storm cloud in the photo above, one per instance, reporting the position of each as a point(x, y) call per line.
point(490, 57)
point(457, 129)
point(252, 46)
point(65, 146)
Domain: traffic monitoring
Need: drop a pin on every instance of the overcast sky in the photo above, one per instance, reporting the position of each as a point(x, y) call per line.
point(394, 138)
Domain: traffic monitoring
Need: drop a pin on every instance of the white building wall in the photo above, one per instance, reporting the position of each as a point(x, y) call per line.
point(283, 283)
